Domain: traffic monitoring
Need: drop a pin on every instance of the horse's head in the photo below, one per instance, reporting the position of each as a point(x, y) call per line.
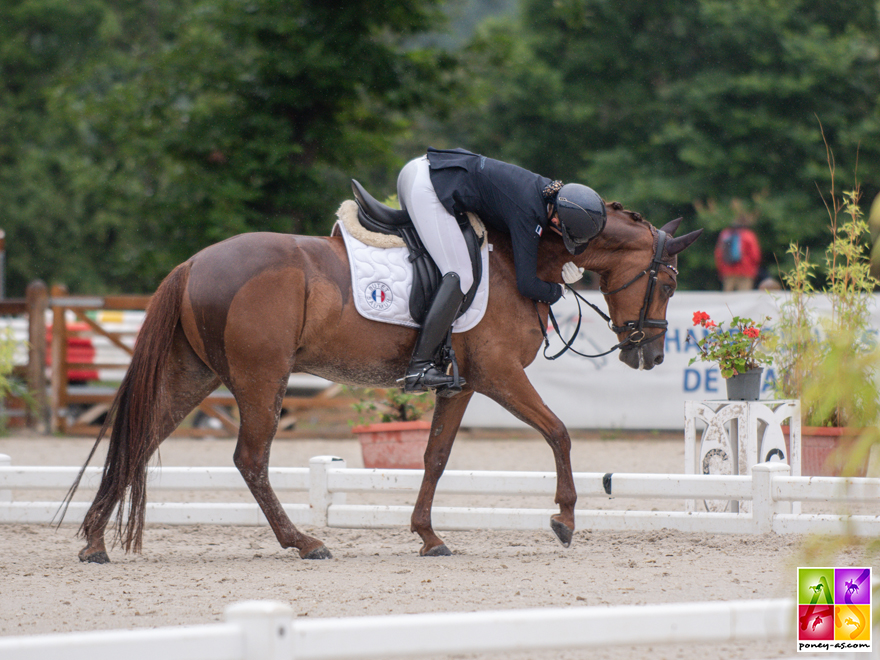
point(637, 265)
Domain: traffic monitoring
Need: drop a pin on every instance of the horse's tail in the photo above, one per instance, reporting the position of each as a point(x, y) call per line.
point(134, 415)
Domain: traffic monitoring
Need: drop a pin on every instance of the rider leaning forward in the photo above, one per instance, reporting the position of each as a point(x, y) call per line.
point(443, 183)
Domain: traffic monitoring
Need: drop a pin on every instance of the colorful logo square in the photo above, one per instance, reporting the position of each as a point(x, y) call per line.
point(852, 622)
point(816, 623)
point(834, 609)
point(852, 586)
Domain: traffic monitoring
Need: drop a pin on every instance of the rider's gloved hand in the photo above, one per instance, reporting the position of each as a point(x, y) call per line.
point(571, 273)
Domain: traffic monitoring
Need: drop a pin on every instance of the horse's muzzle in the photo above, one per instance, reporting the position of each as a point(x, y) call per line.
point(644, 357)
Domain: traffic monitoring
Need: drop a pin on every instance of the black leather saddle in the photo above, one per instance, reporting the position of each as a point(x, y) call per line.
point(376, 216)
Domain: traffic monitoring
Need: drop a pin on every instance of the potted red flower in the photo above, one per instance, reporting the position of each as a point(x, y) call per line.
point(737, 351)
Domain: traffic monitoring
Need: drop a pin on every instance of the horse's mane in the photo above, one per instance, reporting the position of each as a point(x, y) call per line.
point(635, 215)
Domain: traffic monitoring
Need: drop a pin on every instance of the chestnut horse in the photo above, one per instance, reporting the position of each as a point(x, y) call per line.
point(251, 310)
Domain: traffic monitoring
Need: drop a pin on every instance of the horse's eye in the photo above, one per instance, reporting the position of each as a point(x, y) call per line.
point(668, 290)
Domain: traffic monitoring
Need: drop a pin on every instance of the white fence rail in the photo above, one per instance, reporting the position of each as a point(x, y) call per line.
point(259, 630)
point(327, 482)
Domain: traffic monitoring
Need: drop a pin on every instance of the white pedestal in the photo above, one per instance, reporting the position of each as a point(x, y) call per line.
point(750, 431)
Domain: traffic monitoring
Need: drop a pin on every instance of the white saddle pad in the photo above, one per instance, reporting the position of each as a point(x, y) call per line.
point(382, 279)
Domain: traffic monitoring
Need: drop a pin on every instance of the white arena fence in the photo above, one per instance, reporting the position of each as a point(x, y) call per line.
point(769, 487)
point(265, 630)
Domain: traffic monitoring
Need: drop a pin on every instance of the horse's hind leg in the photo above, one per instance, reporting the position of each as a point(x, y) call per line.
point(185, 384)
point(260, 408)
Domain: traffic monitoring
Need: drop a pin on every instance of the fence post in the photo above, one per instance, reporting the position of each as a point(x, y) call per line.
point(59, 362)
point(266, 627)
point(37, 299)
point(5, 494)
point(764, 507)
point(320, 497)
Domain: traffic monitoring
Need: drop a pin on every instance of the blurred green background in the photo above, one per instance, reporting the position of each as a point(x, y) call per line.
point(135, 132)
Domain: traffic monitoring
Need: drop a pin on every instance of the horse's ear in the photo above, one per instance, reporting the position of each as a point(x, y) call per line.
point(676, 245)
point(671, 226)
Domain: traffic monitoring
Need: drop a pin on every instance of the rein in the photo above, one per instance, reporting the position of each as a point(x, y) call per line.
point(568, 344)
point(636, 337)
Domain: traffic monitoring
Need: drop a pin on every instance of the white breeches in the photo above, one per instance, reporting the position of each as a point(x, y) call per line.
point(437, 227)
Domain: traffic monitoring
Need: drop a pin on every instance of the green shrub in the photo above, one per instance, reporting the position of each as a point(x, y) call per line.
point(10, 385)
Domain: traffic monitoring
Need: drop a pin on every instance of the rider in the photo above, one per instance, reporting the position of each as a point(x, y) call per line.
point(443, 183)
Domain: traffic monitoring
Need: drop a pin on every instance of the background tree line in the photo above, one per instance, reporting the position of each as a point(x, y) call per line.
point(135, 133)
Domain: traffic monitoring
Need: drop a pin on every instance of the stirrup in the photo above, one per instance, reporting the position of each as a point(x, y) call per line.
point(415, 381)
point(457, 381)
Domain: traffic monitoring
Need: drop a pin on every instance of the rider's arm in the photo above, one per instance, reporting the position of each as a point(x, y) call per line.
point(525, 259)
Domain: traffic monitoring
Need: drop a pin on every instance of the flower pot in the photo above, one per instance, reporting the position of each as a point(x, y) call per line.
point(399, 445)
point(824, 450)
point(745, 387)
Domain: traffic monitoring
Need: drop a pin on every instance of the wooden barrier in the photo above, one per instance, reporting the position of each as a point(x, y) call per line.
point(61, 407)
point(37, 303)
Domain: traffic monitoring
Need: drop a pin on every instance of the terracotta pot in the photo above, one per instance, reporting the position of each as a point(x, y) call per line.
point(399, 445)
point(819, 450)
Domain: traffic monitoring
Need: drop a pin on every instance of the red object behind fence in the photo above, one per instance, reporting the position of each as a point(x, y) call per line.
point(80, 350)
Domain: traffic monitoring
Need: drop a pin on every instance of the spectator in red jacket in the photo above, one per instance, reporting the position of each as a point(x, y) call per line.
point(738, 255)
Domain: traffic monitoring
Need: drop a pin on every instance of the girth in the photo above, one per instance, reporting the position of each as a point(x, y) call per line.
point(378, 217)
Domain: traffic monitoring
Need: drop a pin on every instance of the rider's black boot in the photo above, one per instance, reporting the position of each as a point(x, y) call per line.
point(424, 373)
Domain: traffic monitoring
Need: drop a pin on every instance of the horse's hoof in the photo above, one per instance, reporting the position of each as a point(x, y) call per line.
point(563, 533)
point(321, 552)
point(437, 551)
point(99, 557)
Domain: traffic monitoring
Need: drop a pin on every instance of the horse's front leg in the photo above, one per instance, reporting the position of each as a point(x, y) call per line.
point(447, 418)
point(520, 398)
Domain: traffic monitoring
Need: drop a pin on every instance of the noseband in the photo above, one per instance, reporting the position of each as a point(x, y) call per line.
point(636, 337)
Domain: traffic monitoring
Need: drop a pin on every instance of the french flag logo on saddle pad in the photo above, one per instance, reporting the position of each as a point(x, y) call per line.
point(379, 296)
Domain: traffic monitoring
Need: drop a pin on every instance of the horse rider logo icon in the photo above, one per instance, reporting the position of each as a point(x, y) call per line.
point(379, 296)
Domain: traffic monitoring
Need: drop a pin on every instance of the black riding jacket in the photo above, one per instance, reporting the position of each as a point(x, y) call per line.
point(507, 198)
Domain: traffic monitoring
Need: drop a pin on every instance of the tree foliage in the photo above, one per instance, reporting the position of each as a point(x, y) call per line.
point(137, 132)
point(681, 107)
point(183, 124)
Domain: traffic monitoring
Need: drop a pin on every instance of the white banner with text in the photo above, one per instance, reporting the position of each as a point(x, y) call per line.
point(603, 393)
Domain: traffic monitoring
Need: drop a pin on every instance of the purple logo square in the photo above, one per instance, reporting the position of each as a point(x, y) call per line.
point(852, 586)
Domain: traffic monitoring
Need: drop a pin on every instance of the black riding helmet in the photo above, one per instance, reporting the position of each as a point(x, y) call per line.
point(581, 215)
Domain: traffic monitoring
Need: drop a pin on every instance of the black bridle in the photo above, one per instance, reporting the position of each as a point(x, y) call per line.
point(636, 337)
